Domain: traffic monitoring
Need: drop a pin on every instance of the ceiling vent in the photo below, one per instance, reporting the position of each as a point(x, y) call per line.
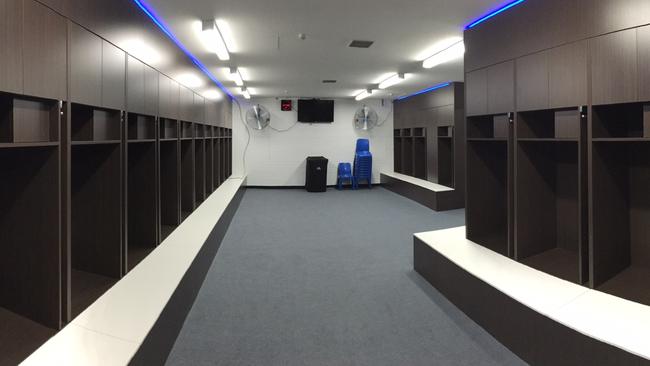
point(329, 81)
point(361, 44)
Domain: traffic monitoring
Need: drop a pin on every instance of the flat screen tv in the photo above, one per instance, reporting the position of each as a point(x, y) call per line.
point(315, 111)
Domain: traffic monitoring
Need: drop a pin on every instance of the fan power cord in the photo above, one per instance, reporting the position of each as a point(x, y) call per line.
point(248, 132)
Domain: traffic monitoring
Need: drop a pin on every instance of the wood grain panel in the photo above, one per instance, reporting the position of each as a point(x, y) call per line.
point(150, 91)
point(476, 93)
point(568, 75)
point(501, 88)
point(44, 38)
point(164, 96)
point(85, 66)
point(11, 37)
point(532, 82)
point(113, 76)
point(643, 44)
point(614, 68)
point(174, 99)
point(135, 88)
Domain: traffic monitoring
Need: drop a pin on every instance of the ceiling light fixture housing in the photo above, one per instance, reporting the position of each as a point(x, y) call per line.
point(245, 93)
point(393, 80)
point(214, 40)
point(363, 95)
point(235, 76)
point(451, 53)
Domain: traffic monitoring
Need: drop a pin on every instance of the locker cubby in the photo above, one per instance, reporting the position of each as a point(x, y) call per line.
point(96, 222)
point(549, 234)
point(95, 125)
point(199, 169)
point(488, 127)
point(141, 127)
point(187, 131)
point(621, 212)
point(397, 154)
point(446, 161)
point(407, 153)
point(631, 120)
point(199, 130)
point(170, 212)
point(209, 165)
point(28, 120)
point(30, 264)
point(168, 129)
point(419, 154)
point(216, 142)
point(487, 213)
point(229, 153)
point(187, 178)
point(141, 201)
point(446, 132)
point(549, 124)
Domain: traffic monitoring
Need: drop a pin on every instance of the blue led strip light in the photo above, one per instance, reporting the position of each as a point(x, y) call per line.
point(425, 90)
point(158, 21)
point(494, 13)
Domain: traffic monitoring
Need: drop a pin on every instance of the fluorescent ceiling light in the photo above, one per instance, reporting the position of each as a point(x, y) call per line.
point(235, 76)
point(245, 93)
point(213, 40)
point(451, 53)
point(190, 80)
point(213, 94)
point(393, 80)
point(363, 95)
point(226, 34)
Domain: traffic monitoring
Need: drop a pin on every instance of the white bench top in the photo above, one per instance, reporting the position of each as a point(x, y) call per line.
point(610, 319)
point(111, 330)
point(418, 182)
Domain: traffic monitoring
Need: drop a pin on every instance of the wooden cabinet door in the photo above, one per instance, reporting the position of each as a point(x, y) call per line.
point(85, 66)
point(135, 86)
point(150, 91)
point(476, 93)
point(164, 95)
point(643, 42)
point(186, 104)
point(113, 76)
point(532, 82)
point(174, 99)
point(44, 52)
point(199, 108)
point(568, 73)
point(501, 88)
point(11, 37)
point(614, 68)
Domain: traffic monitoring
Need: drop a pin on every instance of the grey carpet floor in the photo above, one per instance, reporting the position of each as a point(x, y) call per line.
point(327, 279)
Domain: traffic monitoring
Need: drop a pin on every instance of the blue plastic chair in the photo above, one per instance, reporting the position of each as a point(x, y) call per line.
point(344, 174)
point(362, 163)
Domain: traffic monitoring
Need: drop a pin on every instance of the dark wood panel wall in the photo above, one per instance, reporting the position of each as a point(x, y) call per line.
point(558, 121)
point(87, 135)
point(429, 136)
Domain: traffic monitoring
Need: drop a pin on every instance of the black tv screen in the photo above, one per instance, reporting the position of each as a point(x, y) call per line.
point(315, 111)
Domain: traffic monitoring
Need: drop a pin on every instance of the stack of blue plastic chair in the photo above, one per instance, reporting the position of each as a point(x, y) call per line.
point(344, 175)
point(363, 163)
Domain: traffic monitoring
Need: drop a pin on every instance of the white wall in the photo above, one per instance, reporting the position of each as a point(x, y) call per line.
point(278, 158)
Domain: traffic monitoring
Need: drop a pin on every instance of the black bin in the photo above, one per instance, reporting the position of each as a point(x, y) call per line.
point(316, 180)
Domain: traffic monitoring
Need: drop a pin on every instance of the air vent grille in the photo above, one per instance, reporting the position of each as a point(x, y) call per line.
point(329, 81)
point(361, 44)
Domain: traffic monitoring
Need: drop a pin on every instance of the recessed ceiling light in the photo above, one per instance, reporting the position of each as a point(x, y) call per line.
point(214, 40)
point(453, 52)
point(190, 80)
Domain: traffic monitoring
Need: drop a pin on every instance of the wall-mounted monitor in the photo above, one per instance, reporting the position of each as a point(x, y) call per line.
point(315, 111)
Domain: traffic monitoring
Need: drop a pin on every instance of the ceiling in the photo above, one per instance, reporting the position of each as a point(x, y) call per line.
point(276, 62)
